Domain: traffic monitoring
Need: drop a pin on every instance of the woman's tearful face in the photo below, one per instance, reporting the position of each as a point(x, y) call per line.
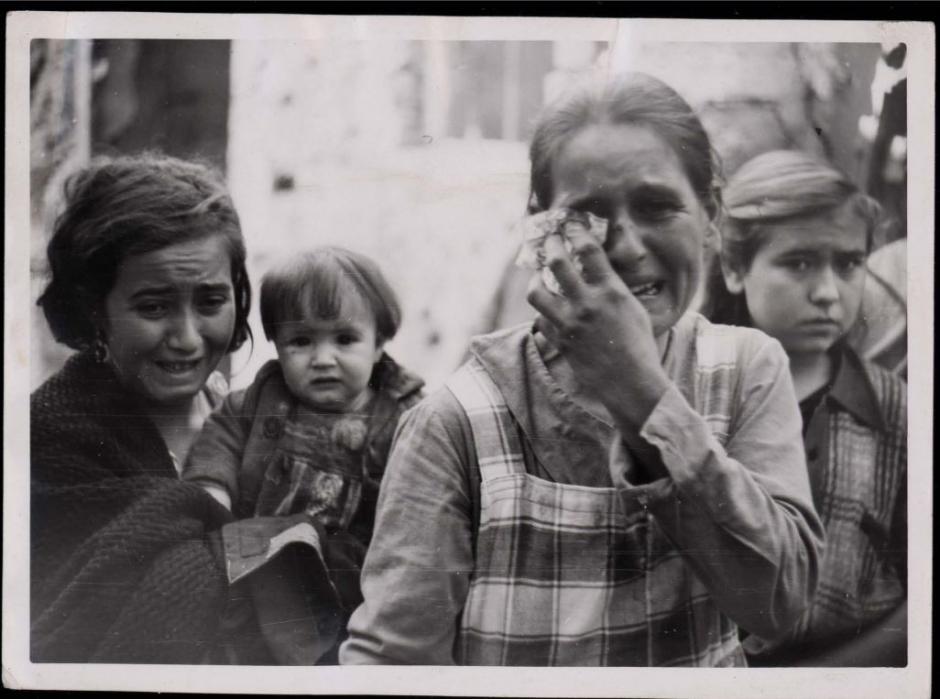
point(633, 178)
point(170, 318)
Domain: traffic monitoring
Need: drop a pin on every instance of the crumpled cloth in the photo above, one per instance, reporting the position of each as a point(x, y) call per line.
point(289, 567)
point(536, 228)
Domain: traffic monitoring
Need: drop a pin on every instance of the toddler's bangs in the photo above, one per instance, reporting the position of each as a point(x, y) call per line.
point(314, 286)
point(329, 295)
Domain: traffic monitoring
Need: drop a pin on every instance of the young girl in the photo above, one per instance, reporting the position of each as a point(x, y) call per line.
point(312, 433)
point(621, 483)
point(793, 265)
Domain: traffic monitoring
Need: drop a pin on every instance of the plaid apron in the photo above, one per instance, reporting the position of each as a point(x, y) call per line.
point(565, 574)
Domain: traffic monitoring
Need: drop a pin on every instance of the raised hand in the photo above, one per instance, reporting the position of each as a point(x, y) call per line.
point(601, 329)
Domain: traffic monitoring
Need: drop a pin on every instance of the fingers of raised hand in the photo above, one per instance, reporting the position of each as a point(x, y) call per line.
point(551, 331)
point(552, 306)
point(561, 264)
point(588, 253)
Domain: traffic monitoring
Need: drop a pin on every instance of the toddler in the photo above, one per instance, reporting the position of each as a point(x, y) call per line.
point(792, 263)
point(312, 433)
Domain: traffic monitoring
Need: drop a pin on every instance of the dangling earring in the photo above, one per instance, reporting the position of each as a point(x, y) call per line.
point(100, 348)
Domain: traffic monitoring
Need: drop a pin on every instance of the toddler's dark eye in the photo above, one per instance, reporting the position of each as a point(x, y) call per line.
point(299, 341)
point(347, 338)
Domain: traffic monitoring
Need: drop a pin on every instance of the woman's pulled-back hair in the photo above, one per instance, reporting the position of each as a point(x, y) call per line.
point(771, 188)
point(118, 207)
point(634, 99)
point(313, 285)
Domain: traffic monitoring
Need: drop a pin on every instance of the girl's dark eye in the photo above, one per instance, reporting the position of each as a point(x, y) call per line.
point(849, 264)
point(346, 338)
point(299, 341)
point(797, 264)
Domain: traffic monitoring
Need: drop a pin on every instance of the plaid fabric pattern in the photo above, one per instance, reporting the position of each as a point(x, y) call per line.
point(564, 575)
point(861, 505)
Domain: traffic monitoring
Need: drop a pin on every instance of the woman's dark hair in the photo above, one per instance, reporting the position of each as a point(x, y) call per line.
point(634, 99)
point(313, 284)
point(772, 188)
point(118, 207)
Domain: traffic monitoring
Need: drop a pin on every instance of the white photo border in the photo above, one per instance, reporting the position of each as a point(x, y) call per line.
point(18, 672)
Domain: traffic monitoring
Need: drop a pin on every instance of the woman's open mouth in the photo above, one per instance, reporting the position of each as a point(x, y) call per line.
point(649, 289)
point(179, 368)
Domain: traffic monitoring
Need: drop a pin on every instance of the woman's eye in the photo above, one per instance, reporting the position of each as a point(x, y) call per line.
point(653, 209)
point(212, 304)
point(151, 309)
point(592, 206)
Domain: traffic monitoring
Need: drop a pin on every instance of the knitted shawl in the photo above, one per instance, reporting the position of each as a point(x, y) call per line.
point(125, 564)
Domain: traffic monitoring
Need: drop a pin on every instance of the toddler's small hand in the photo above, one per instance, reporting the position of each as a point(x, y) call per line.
point(220, 495)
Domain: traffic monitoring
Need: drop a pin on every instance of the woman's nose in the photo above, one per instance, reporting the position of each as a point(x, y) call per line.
point(184, 335)
point(625, 241)
point(825, 289)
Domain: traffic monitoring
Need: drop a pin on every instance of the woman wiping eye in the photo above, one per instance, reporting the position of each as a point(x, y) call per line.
point(584, 510)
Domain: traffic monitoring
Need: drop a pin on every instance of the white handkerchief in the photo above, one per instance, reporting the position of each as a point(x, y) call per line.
point(535, 229)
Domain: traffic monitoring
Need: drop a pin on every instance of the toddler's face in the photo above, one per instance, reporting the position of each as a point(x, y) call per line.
point(327, 363)
point(804, 286)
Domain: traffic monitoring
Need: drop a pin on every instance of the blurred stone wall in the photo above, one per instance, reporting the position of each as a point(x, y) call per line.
point(60, 96)
point(168, 96)
point(754, 97)
point(347, 144)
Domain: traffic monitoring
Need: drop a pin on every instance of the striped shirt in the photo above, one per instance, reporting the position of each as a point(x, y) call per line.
point(736, 542)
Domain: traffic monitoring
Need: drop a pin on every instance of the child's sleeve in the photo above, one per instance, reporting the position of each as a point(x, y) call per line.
point(216, 455)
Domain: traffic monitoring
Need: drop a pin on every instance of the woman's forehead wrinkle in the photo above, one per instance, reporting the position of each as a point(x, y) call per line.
point(600, 159)
point(179, 264)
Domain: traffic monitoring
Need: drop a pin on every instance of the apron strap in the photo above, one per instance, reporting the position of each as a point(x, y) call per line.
point(495, 437)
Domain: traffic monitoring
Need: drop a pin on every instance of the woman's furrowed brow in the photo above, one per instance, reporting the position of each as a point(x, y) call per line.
point(153, 291)
point(215, 286)
point(656, 189)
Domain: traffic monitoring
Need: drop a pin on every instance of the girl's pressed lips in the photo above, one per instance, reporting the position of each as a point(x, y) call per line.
point(820, 325)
